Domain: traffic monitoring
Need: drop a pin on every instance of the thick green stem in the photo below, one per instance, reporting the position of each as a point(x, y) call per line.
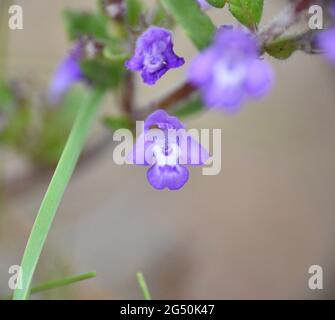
point(56, 189)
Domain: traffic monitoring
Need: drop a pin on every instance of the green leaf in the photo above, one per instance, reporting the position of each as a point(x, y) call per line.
point(116, 123)
point(247, 12)
point(217, 3)
point(198, 26)
point(160, 17)
point(6, 96)
point(16, 128)
point(59, 283)
point(103, 72)
point(85, 24)
point(66, 165)
point(115, 51)
point(282, 48)
point(134, 11)
point(48, 140)
point(143, 286)
point(189, 107)
point(62, 282)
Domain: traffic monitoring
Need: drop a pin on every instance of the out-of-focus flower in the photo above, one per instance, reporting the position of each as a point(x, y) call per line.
point(67, 73)
point(326, 39)
point(154, 55)
point(230, 70)
point(166, 146)
point(204, 5)
point(115, 9)
point(326, 42)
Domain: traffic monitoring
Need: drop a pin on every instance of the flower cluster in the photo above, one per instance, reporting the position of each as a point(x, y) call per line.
point(167, 148)
point(226, 73)
point(230, 70)
point(154, 55)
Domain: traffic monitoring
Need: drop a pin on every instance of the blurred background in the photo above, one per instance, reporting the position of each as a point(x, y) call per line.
point(253, 231)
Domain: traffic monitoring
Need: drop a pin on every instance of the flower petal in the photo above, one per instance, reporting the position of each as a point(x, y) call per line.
point(192, 152)
point(259, 79)
point(169, 177)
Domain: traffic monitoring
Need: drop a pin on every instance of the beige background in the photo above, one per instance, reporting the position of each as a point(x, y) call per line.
point(250, 232)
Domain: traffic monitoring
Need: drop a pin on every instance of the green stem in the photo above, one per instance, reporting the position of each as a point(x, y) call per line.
point(143, 286)
point(56, 189)
point(60, 282)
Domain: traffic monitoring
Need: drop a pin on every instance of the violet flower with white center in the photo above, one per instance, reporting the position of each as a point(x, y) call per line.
point(230, 70)
point(154, 55)
point(166, 146)
point(67, 73)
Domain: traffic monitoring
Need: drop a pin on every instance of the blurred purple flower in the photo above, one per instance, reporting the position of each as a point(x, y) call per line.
point(326, 39)
point(67, 73)
point(326, 42)
point(166, 146)
point(204, 5)
point(154, 55)
point(230, 70)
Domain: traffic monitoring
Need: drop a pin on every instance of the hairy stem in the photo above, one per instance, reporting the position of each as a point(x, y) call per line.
point(290, 15)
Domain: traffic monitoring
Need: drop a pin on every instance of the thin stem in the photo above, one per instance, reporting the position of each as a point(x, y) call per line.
point(289, 16)
point(60, 282)
point(56, 189)
point(128, 94)
point(143, 286)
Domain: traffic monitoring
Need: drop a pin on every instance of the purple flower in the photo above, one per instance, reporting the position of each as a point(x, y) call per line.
point(166, 147)
point(67, 73)
point(326, 42)
point(326, 39)
point(154, 55)
point(230, 70)
point(204, 5)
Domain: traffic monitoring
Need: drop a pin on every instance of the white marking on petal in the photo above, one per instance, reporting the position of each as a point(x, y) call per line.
point(171, 159)
point(229, 76)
